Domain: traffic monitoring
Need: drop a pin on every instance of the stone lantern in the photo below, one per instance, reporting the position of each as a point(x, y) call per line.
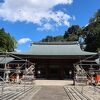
point(17, 73)
point(7, 71)
point(91, 71)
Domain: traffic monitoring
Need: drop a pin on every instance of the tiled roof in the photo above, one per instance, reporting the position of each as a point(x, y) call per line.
point(55, 49)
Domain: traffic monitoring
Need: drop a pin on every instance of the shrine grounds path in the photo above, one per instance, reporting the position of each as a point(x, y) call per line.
point(51, 90)
point(51, 93)
point(64, 90)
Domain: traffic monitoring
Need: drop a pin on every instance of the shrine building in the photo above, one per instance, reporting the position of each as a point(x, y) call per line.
point(54, 60)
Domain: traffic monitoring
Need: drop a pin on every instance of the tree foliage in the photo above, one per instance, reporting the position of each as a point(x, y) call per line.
point(96, 17)
point(53, 39)
point(92, 32)
point(72, 33)
point(7, 42)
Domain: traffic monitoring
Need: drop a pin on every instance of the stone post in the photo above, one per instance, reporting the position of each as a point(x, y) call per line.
point(7, 71)
point(17, 72)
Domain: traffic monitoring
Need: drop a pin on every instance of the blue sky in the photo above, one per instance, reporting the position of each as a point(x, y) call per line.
point(32, 20)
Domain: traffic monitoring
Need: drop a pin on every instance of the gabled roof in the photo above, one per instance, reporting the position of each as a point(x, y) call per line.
point(56, 49)
point(4, 59)
point(97, 61)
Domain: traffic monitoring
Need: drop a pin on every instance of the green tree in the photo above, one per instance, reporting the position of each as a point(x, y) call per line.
point(72, 33)
point(92, 32)
point(7, 42)
point(95, 18)
point(53, 39)
point(72, 37)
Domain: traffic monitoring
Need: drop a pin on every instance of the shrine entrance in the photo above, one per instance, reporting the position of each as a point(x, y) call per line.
point(54, 72)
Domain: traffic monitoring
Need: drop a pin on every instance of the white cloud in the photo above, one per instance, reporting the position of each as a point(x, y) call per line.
point(17, 50)
point(24, 40)
point(74, 18)
point(46, 26)
point(36, 11)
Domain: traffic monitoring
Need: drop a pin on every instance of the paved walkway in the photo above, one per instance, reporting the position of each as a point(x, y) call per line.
point(51, 93)
point(49, 90)
point(53, 82)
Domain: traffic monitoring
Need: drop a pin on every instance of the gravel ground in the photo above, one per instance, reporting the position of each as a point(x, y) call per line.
point(91, 92)
point(51, 93)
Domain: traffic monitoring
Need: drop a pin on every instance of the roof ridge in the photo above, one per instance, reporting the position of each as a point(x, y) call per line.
point(55, 43)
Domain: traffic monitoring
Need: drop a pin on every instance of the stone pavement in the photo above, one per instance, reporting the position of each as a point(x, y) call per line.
point(92, 92)
point(49, 90)
point(64, 90)
point(41, 90)
point(17, 91)
point(53, 82)
point(51, 93)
